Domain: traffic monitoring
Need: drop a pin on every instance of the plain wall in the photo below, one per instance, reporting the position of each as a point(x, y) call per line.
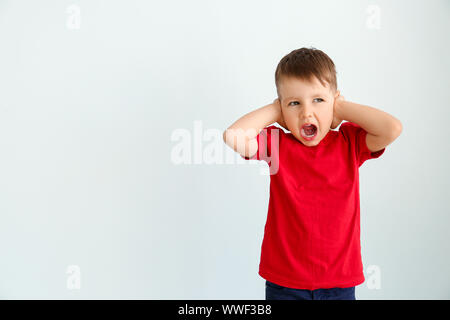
point(94, 93)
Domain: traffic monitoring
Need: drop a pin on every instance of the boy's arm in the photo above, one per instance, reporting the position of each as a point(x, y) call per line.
point(241, 135)
point(382, 128)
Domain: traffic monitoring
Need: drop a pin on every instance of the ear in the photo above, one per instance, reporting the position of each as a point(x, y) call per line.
point(338, 93)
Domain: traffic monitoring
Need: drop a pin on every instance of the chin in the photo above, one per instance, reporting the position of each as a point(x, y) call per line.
point(311, 143)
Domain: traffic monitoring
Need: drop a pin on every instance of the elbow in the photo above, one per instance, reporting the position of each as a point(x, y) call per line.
point(225, 136)
point(398, 128)
point(395, 131)
point(228, 139)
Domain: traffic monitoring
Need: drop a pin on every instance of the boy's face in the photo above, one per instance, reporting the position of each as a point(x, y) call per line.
point(307, 102)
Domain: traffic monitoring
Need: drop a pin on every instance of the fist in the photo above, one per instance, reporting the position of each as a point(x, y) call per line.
point(336, 120)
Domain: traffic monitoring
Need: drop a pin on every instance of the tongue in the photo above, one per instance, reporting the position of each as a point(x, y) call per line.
point(309, 130)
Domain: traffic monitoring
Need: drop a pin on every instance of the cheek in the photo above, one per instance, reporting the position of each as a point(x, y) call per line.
point(289, 114)
point(329, 111)
point(326, 116)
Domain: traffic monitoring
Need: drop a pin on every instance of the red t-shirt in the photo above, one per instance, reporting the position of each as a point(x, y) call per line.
point(312, 233)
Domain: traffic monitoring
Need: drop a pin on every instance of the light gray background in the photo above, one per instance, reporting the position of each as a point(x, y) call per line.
point(86, 118)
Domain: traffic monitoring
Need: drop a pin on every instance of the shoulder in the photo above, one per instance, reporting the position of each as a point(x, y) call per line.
point(349, 126)
point(355, 136)
point(350, 129)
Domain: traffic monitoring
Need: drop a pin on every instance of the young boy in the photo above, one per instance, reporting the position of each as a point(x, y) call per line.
point(311, 247)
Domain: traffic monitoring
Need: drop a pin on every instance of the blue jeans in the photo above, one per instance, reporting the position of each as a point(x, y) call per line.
point(277, 292)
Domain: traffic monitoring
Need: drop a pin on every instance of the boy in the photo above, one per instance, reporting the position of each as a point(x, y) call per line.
point(311, 246)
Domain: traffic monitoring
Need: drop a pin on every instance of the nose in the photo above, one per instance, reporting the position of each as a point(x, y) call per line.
point(307, 112)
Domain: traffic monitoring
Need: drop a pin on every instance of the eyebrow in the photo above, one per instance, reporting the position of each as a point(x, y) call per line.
point(313, 95)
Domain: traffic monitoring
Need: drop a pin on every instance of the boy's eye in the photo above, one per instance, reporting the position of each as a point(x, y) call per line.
point(298, 102)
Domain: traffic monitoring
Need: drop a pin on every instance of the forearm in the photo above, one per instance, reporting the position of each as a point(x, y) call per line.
point(374, 121)
point(253, 122)
point(241, 135)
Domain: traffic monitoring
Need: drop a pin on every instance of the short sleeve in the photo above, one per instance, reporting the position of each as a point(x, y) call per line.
point(264, 139)
point(356, 136)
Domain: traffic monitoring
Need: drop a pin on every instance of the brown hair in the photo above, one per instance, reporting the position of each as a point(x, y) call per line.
point(305, 63)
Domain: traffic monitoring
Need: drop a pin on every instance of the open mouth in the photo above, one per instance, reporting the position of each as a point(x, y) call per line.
point(309, 131)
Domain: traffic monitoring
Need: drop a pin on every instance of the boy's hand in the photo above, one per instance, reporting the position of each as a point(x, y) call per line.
point(280, 118)
point(336, 119)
